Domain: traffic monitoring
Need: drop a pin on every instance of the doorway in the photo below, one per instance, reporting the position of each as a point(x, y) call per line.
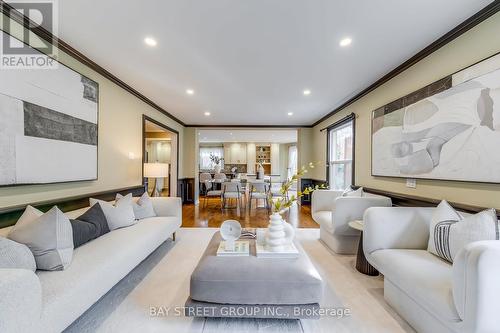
point(160, 153)
point(253, 161)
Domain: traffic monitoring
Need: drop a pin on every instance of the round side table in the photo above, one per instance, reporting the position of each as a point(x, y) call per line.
point(362, 265)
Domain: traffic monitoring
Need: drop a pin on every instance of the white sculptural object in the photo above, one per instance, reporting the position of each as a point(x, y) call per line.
point(279, 233)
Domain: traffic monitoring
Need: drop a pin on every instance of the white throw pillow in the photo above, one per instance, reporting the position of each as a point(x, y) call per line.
point(477, 227)
point(119, 215)
point(351, 192)
point(49, 237)
point(143, 208)
point(450, 231)
point(441, 218)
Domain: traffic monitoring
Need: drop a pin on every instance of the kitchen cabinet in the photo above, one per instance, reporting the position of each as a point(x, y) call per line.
point(235, 153)
point(251, 160)
point(275, 158)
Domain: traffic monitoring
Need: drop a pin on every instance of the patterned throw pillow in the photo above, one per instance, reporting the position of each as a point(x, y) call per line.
point(450, 231)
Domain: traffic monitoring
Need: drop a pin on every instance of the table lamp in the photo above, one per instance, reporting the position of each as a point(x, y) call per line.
point(155, 170)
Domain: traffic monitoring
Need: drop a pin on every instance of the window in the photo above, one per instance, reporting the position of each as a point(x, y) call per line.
point(205, 163)
point(292, 161)
point(340, 155)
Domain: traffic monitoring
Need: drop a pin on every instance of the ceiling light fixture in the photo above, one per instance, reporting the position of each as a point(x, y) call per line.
point(345, 42)
point(290, 113)
point(150, 41)
point(307, 92)
point(207, 113)
point(190, 91)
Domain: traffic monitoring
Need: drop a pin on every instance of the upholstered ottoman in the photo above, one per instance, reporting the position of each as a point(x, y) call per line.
point(254, 287)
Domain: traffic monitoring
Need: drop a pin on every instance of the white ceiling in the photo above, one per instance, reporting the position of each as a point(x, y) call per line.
point(254, 135)
point(249, 61)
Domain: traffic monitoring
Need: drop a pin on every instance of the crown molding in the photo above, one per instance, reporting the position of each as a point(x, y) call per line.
point(46, 35)
point(451, 35)
point(250, 126)
point(459, 30)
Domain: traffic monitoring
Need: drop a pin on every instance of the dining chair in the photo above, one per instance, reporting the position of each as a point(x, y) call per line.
point(276, 190)
point(259, 191)
point(206, 181)
point(251, 179)
point(219, 178)
point(231, 190)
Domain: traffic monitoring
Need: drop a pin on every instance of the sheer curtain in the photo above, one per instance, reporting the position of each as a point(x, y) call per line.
point(340, 142)
point(292, 161)
point(205, 163)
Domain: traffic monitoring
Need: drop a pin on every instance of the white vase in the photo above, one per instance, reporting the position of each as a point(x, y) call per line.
point(217, 168)
point(260, 172)
point(279, 233)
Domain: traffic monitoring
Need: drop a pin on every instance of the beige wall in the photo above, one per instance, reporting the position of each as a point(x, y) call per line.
point(120, 133)
point(189, 152)
point(305, 145)
point(477, 44)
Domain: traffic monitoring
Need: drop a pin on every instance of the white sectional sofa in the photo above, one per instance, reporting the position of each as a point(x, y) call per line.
point(333, 212)
point(49, 301)
point(432, 294)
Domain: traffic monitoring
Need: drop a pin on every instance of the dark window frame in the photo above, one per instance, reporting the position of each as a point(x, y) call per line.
point(342, 122)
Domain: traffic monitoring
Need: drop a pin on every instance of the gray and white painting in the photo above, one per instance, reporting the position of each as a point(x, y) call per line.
point(48, 126)
point(449, 130)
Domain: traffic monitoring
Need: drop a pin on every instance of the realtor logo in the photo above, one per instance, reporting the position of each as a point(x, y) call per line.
point(22, 48)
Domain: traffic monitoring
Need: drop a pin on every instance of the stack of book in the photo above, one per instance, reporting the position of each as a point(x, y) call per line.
point(241, 249)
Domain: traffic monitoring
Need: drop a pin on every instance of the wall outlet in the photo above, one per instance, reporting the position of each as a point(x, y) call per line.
point(411, 183)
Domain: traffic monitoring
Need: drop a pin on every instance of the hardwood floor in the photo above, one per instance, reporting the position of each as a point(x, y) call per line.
point(212, 216)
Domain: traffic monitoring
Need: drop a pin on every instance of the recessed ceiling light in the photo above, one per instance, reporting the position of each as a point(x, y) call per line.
point(307, 92)
point(290, 113)
point(345, 42)
point(150, 41)
point(230, 133)
point(207, 113)
point(190, 91)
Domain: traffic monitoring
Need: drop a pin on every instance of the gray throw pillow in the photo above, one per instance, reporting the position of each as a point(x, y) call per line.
point(49, 237)
point(15, 255)
point(89, 226)
point(143, 208)
point(119, 215)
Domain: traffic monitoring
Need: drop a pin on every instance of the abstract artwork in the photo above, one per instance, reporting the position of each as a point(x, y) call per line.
point(48, 126)
point(449, 130)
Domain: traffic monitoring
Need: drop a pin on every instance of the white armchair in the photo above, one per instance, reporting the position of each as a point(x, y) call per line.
point(333, 212)
point(432, 294)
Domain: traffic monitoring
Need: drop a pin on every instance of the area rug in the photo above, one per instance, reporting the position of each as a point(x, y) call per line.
point(150, 298)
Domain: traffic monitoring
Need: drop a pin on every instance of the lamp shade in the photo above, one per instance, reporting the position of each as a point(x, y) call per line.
point(155, 170)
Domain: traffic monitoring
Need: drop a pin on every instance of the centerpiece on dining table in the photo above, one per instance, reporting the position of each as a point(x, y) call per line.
point(216, 160)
